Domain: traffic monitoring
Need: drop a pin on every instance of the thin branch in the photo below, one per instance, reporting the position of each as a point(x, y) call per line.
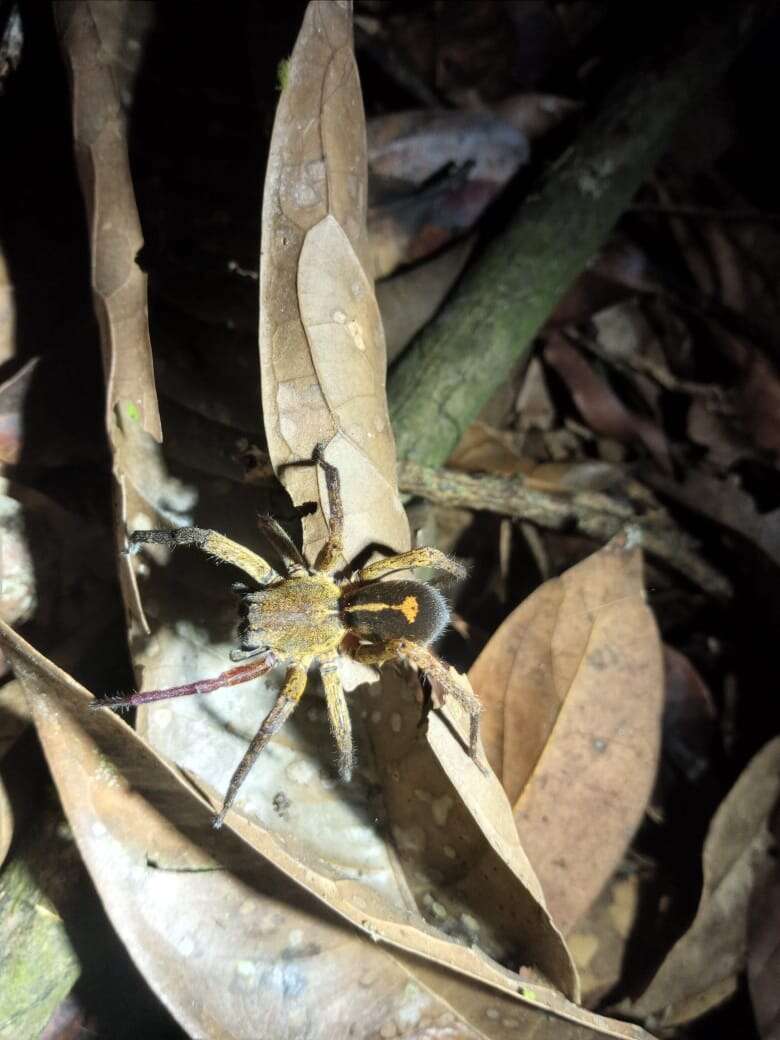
point(586, 512)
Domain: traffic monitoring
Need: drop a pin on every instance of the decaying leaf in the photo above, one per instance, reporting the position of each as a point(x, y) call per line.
point(573, 688)
point(701, 969)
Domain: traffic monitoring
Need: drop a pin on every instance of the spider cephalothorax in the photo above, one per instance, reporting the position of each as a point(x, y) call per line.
point(308, 616)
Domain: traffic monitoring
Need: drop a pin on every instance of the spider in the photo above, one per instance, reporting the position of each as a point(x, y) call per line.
point(307, 615)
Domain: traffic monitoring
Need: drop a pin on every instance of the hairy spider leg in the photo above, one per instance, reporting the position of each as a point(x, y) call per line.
point(332, 550)
point(423, 557)
point(214, 544)
point(286, 702)
point(437, 671)
point(290, 554)
point(232, 677)
point(338, 713)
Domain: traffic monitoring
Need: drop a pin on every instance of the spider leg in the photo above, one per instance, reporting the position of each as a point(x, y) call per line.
point(232, 677)
point(333, 549)
point(286, 702)
point(423, 557)
point(211, 542)
point(338, 713)
point(434, 669)
point(290, 554)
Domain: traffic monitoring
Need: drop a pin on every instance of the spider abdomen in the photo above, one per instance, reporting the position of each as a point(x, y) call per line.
point(384, 610)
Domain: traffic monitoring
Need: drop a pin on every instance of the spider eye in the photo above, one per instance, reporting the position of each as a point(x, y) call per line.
point(396, 609)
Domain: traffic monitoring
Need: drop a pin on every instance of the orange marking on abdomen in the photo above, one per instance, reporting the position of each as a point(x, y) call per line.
point(410, 608)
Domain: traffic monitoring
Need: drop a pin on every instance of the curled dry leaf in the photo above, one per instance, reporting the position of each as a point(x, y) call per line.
point(701, 969)
point(234, 942)
point(98, 55)
point(573, 687)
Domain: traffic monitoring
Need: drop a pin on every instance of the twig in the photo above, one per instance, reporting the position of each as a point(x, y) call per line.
point(587, 512)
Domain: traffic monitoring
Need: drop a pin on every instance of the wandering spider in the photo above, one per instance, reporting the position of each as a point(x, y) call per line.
point(307, 615)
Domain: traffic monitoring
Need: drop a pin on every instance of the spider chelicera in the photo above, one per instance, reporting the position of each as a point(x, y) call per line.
point(307, 615)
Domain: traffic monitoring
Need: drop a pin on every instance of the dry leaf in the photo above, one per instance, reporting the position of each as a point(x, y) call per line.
point(701, 968)
point(14, 720)
point(409, 300)
point(221, 934)
point(599, 940)
point(763, 953)
point(484, 449)
point(433, 173)
point(600, 407)
point(536, 115)
point(689, 716)
point(573, 688)
point(14, 715)
point(6, 823)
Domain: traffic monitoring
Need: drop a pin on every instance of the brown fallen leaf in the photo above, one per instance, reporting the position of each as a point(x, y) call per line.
point(484, 449)
point(599, 940)
point(408, 300)
point(701, 969)
point(573, 688)
point(231, 940)
point(689, 722)
point(763, 945)
point(600, 407)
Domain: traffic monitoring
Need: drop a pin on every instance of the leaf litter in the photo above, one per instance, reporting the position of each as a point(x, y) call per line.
point(420, 857)
point(339, 852)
